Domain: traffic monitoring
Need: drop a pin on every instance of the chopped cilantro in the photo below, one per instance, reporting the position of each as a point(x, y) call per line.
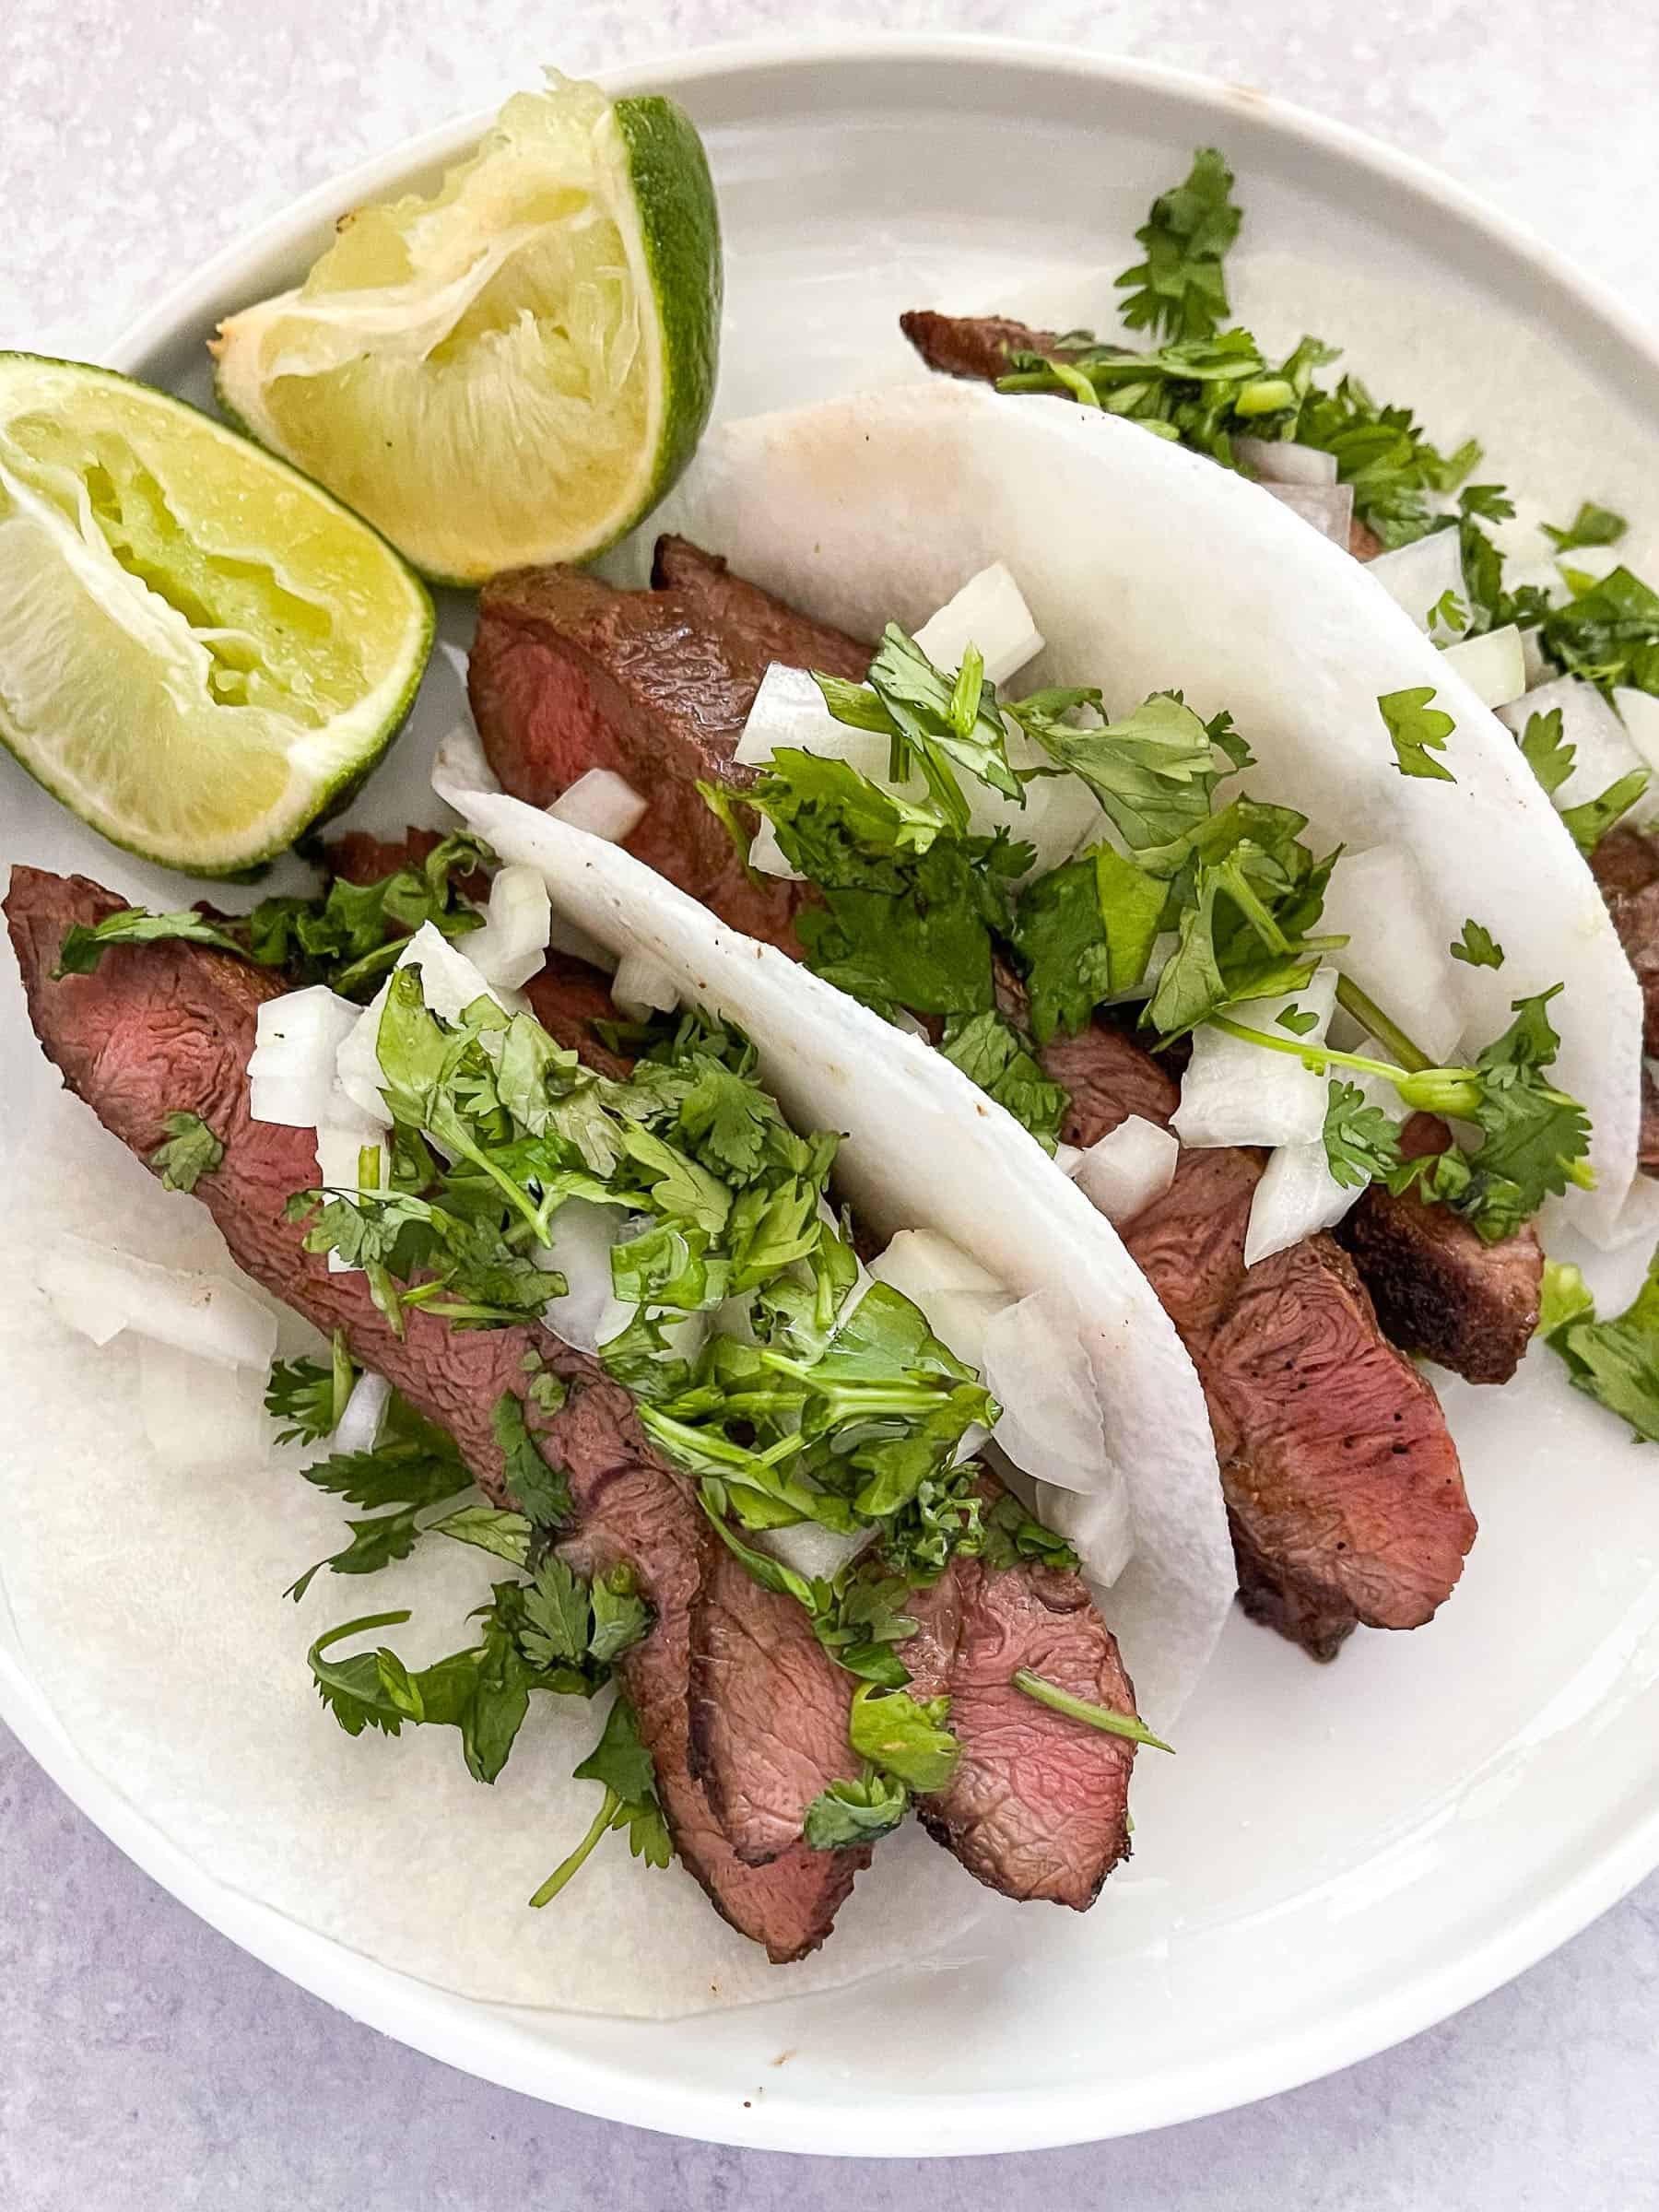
point(1417, 730)
point(1609, 635)
point(1615, 1362)
point(1106, 1718)
point(1592, 526)
point(850, 1813)
point(542, 1488)
point(1545, 751)
point(190, 1152)
point(1361, 1144)
point(1476, 947)
point(1180, 291)
point(309, 1396)
point(1298, 1020)
point(1590, 822)
point(990, 1052)
point(904, 1736)
point(620, 1763)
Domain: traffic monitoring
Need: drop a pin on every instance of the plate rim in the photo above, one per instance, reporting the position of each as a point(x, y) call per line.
point(486, 2041)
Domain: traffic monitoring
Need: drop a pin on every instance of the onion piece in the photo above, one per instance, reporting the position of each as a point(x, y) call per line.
point(1068, 1159)
point(990, 612)
point(789, 710)
point(1098, 1528)
point(812, 1549)
point(512, 945)
point(100, 1291)
point(449, 985)
point(1121, 1173)
point(1234, 1092)
point(340, 1148)
point(1036, 1367)
point(583, 1234)
point(1638, 711)
point(199, 1414)
point(767, 854)
point(1494, 665)
point(1296, 1195)
point(1378, 899)
point(643, 985)
point(1604, 748)
point(359, 1427)
point(603, 804)
point(291, 1067)
point(1418, 576)
point(918, 1262)
point(1329, 508)
point(1282, 461)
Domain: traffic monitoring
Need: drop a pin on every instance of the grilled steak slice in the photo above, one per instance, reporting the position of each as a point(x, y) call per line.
point(1190, 1245)
point(1037, 1805)
point(769, 1711)
point(567, 675)
point(1625, 864)
point(977, 346)
point(1439, 1289)
point(768, 626)
point(170, 1027)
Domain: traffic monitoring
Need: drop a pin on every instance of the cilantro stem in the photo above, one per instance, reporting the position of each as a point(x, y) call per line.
point(344, 1379)
point(1371, 1017)
point(568, 1868)
point(1102, 1717)
point(1455, 1090)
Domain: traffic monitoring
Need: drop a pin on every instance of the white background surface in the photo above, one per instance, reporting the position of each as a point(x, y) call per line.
point(142, 2061)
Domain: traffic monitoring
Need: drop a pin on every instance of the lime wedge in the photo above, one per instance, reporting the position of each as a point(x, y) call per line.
point(200, 649)
point(515, 368)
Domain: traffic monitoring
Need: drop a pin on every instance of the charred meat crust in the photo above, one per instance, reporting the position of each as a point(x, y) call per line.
point(162, 1028)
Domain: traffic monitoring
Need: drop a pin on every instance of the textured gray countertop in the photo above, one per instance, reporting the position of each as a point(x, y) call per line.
point(146, 2065)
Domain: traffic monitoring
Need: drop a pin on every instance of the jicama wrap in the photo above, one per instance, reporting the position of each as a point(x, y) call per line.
point(1147, 566)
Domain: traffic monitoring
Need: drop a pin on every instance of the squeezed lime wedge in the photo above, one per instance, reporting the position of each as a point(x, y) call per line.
point(516, 368)
point(200, 649)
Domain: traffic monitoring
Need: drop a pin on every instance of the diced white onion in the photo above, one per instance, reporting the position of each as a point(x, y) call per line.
point(565, 936)
point(1099, 1526)
point(340, 1148)
point(1603, 746)
point(1121, 1173)
point(358, 1426)
point(1493, 665)
point(1328, 507)
point(918, 1262)
point(1296, 1195)
point(460, 765)
point(789, 711)
point(812, 1549)
point(1281, 461)
point(902, 1019)
point(1418, 576)
point(199, 1414)
point(449, 985)
point(1068, 1159)
point(990, 612)
point(291, 1067)
point(1379, 902)
point(1234, 1092)
point(643, 985)
point(1539, 667)
point(1037, 1369)
point(357, 1063)
point(603, 804)
point(583, 1234)
point(101, 1292)
point(767, 854)
point(512, 945)
point(959, 1319)
point(1638, 711)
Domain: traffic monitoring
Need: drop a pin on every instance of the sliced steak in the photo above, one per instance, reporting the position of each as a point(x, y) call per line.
point(567, 675)
point(1037, 1805)
point(1625, 864)
point(977, 346)
point(770, 628)
point(768, 1716)
point(170, 1027)
point(1439, 1289)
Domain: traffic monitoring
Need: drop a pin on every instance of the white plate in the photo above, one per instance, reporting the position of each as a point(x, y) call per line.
point(1337, 1857)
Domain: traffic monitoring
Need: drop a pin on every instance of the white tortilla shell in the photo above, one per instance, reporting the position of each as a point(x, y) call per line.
point(926, 1150)
point(1147, 566)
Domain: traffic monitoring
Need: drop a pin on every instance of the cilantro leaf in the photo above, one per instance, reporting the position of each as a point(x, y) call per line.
point(1449, 613)
point(1106, 1718)
point(1361, 1144)
point(1591, 821)
point(1298, 1020)
point(543, 1490)
point(903, 1736)
point(1609, 635)
point(1417, 730)
point(850, 1813)
point(1179, 292)
point(375, 1543)
point(190, 1152)
point(620, 1761)
point(1153, 771)
point(309, 1396)
point(491, 1529)
point(990, 1052)
point(1592, 526)
point(1565, 1296)
point(1012, 1535)
point(83, 947)
point(1533, 1138)
point(1543, 749)
point(1615, 1362)
point(1476, 947)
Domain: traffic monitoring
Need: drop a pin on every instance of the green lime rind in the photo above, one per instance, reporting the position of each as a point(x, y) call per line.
point(324, 794)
